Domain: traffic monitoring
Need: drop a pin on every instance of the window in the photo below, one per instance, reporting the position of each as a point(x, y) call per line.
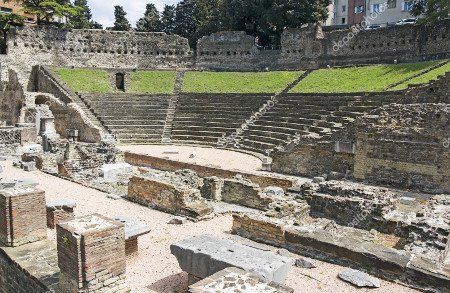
point(6, 10)
point(343, 8)
point(343, 20)
point(407, 6)
point(392, 3)
point(376, 7)
point(359, 9)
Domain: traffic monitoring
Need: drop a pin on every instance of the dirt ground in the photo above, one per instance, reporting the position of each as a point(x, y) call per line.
point(154, 269)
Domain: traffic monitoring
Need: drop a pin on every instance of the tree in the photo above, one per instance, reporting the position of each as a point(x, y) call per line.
point(268, 18)
point(432, 10)
point(150, 22)
point(168, 19)
point(121, 23)
point(184, 20)
point(83, 20)
point(46, 11)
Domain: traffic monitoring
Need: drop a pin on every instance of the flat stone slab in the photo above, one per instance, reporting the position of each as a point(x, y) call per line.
point(359, 279)
point(58, 204)
point(205, 255)
point(232, 280)
point(133, 228)
point(111, 172)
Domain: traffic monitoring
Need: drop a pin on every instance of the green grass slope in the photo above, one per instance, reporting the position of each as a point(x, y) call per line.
point(85, 80)
point(238, 82)
point(359, 79)
point(425, 78)
point(153, 82)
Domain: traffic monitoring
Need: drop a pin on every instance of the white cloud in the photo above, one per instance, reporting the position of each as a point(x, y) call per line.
point(104, 12)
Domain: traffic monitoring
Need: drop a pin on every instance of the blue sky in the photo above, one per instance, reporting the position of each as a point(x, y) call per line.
point(104, 13)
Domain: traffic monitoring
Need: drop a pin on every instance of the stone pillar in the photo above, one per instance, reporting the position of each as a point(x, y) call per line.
point(22, 216)
point(91, 255)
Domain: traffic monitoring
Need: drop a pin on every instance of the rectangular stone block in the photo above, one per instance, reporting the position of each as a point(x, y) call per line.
point(205, 255)
point(236, 280)
point(22, 216)
point(91, 254)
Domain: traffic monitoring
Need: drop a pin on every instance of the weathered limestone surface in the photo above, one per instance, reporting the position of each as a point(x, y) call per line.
point(23, 216)
point(236, 280)
point(245, 193)
point(133, 229)
point(29, 268)
point(205, 255)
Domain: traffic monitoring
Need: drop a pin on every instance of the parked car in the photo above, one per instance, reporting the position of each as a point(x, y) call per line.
point(373, 27)
point(406, 21)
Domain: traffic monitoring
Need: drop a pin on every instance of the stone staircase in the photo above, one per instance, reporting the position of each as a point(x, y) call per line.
point(306, 115)
point(206, 118)
point(167, 132)
point(133, 119)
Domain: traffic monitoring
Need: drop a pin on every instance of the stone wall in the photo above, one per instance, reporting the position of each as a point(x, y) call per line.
point(14, 279)
point(204, 171)
point(311, 48)
point(312, 159)
point(11, 99)
point(97, 48)
point(405, 146)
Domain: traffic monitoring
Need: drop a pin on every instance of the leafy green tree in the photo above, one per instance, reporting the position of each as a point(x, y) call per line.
point(150, 22)
point(47, 10)
point(83, 20)
point(121, 23)
point(184, 20)
point(168, 19)
point(268, 18)
point(432, 10)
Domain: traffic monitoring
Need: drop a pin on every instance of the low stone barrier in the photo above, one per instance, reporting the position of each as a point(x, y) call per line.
point(204, 171)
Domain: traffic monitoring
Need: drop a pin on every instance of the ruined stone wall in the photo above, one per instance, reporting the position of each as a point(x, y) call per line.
point(11, 99)
point(405, 146)
point(203, 171)
point(311, 48)
point(14, 279)
point(97, 48)
point(312, 159)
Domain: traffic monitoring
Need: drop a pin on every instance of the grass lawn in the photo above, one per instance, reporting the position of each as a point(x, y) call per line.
point(154, 82)
point(85, 80)
point(425, 78)
point(359, 79)
point(238, 82)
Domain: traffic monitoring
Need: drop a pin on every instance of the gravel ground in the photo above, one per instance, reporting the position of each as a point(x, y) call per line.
point(154, 269)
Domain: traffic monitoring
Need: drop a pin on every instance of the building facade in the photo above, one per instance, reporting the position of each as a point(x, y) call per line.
point(14, 7)
point(388, 12)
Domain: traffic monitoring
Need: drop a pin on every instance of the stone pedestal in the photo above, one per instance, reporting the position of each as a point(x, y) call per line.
point(22, 216)
point(59, 211)
point(91, 255)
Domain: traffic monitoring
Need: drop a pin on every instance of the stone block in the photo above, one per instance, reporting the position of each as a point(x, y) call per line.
point(236, 280)
point(22, 216)
point(59, 210)
point(29, 166)
point(205, 255)
point(113, 172)
point(133, 229)
point(91, 255)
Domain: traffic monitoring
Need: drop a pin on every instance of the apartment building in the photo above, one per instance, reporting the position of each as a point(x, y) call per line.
point(13, 7)
point(350, 12)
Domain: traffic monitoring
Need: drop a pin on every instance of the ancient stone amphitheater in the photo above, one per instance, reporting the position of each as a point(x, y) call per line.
point(132, 164)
